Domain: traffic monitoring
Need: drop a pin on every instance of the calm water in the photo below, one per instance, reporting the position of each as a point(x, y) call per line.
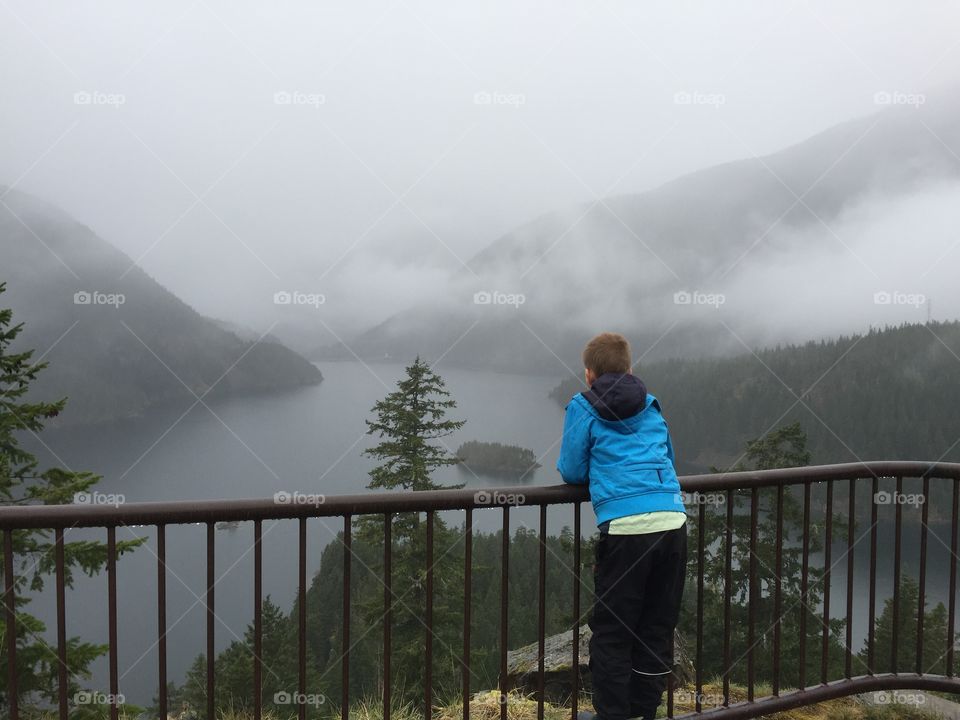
point(311, 440)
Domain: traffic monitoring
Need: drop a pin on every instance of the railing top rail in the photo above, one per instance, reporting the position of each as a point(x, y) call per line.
point(204, 511)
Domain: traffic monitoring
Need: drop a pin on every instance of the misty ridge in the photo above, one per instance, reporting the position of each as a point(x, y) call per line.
point(833, 235)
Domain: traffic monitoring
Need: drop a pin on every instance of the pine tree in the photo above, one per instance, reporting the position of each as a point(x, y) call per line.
point(34, 550)
point(408, 419)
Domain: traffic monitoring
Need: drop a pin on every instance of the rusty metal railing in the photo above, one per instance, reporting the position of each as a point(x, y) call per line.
point(881, 675)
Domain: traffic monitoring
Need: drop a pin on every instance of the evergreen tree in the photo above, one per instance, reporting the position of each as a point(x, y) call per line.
point(409, 422)
point(21, 482)
point(935, 634)
point(408, 419)
point(783, 447)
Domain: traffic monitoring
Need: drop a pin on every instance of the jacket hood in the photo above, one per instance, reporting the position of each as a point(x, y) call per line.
point(617, 396)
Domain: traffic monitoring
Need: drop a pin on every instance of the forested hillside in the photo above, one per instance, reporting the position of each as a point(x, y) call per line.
point(889, 394)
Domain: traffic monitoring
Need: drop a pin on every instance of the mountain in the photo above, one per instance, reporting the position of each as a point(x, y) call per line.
point(629, 262)
point(890, 394)
point(117, 342)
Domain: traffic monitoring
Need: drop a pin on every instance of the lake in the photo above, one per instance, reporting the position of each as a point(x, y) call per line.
point(311, 440)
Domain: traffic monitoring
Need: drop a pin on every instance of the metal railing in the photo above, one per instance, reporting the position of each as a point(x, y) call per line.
point(881, 672)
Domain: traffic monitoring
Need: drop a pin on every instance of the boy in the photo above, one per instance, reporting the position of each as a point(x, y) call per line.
point(615, 439)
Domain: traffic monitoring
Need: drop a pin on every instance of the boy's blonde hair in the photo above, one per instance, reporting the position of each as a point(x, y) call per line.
point(608, 352)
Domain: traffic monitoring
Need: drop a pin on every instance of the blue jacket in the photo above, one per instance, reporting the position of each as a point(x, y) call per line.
point(615, 439)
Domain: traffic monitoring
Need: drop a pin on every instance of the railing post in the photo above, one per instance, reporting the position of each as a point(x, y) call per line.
point(10, 608)
point(345, 632)
point(727, 591)
point(504, 617)
point(467, 606)
point(897, 550)
point(701, 549)
point(922, 588)
point(851, 545)
point(575, 665)
point(827, 555)
point(257, 619)
point(804, 584)
point(872, 609)
point(112, 610)
point(952, 612)
point(162, 619)
point(387, 609)
point(754, 598)
point(302, 619)
point(211, 616)
point(428, 635)
point(542, 609)
point(778, 593)
point(62, 683)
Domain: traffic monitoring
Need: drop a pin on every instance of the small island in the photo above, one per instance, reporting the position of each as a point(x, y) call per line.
point(498, 460)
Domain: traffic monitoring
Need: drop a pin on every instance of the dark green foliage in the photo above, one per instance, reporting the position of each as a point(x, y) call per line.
point(493, 458)
point(785, 447)
point(886, 394)
point(934, 634)
point(324, 639)
point(22, 482)
point(407, 420)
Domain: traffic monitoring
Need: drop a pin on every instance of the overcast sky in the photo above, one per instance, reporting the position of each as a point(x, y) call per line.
point(233, 148)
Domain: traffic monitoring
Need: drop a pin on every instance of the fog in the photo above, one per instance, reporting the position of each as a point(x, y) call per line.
point(368, 151)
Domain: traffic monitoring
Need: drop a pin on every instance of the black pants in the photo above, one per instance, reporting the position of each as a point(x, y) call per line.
point(638, 583)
